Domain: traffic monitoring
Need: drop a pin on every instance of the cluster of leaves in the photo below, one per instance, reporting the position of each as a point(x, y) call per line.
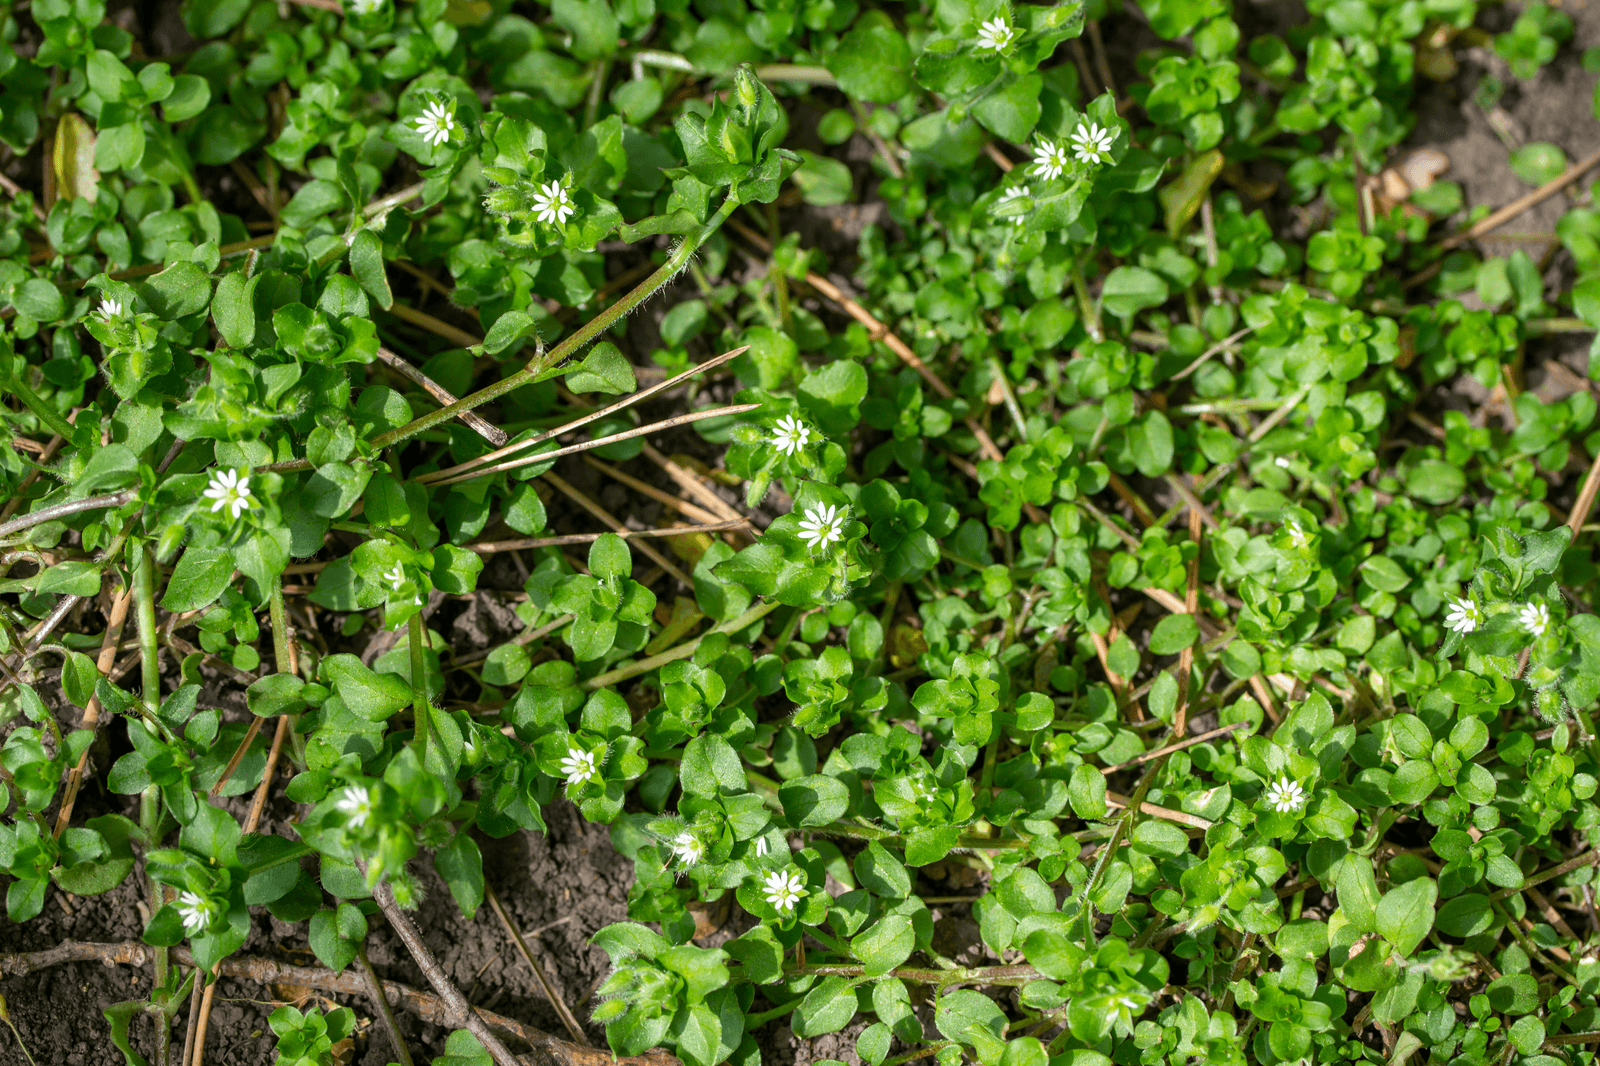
point(1332, 798)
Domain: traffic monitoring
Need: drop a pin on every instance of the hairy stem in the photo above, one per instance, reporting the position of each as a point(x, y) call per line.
point(567, 348)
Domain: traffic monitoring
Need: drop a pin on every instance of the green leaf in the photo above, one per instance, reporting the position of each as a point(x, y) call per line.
point(182, 289)
point(366, 694)
point(827, 1008)
point(233, 308)
point(887, 944)
point(872, 63)
point(1174, 633)
point(1087, 792)
point(510, 328)
point(198, 579)
point(709, 764)
point(604, 369)
point(1435, 481)
point(823, 181)
point(1405, 913)
point(367, 264)
point(879, 872)
point(814, 800)
point(461, 865)
point(1129, 290)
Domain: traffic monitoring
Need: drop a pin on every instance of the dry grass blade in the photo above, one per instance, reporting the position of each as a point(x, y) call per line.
point(1585, 501)
point(599, 442)
point(1523, 203)
point(578, 423)
point(582, 499)
point(493, 434)
point(490, 547)
point(688, 482)
point(684, 507)
point(423, 320)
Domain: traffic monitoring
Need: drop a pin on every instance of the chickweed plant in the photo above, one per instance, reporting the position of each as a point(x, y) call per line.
point(1142, 518)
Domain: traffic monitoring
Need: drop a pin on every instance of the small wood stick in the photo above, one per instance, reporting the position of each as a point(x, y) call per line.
point(461, 1014)
point(550, 993)
point(91, 713)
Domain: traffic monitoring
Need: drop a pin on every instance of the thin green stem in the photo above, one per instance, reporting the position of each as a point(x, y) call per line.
point(1086, 305)
point(41, 410)
point(417, 637)
point(144, 604)
point(682, 651)
point(561, 352)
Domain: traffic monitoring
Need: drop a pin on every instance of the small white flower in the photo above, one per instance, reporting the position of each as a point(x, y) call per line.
point(1299, 536)
point(1049, 160)
point(579, 766)
point(790, 435)
point(1535, 618)
point(551, 204)
point(366, 7)
point(687, 847)
point(1284, 795)
point(822, 525)
point(761, 846)
point(356, 805)
point(1092, 143)
point(1462, 617)
point(435, 124)
point(227, 489)
point(996, 34)
point(394, 576)
point(1281, 461)
point(783, 889)
point(110, 309)
point(1011, 196)
point(195, 911)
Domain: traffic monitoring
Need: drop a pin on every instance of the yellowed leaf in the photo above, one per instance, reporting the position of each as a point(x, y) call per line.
point(76, 177)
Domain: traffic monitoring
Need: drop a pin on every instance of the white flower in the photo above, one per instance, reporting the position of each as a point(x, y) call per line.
point(1284, 795)
point(1092, 143)
point(395, 576)
point(996, 34)
point(1049, 160)
point(1535, 618)
point(1298, 535)
point(687, 847)
point(1011, 196)
point(790, 435)
point(195, 911)
point(366, 7)
point(435, 124)
point(783, 890)
point(552, 204)
point(110, 309)
point(579, 766)
point(1462, 617)
point(227, 489)
point(762, 847)
point(356, 805)
point(822, 525)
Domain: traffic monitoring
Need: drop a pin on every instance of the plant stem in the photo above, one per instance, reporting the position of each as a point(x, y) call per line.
point(682, 651)
point(1086, 306)
point(64, 510)
point(567, 348)
point(144, 605)
point(462, 1016)
point(417, 638)
point(381, 1001)
point(41, 410)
